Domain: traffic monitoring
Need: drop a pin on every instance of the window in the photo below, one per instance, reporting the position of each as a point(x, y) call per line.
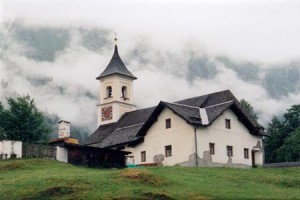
point(168, 150)
point(246, 153)
point(168, 123)
point(227, 123)
point(108, 91)
point(229, 151)
point(124, 92)
point(143, 156)
point(212, 148)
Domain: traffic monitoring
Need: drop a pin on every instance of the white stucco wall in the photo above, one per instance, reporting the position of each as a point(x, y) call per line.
point(9, 147)
point(180, 136)
point(61, 154)
point(237, 136)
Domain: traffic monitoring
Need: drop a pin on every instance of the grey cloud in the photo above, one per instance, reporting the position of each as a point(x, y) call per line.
point(58, 66)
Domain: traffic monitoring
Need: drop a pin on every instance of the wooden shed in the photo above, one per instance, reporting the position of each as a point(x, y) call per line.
point(95, 157)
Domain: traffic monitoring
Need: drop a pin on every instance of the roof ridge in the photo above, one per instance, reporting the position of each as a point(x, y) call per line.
point(181, 104)
point(141, 109)
point(231, 101)
point(204, 95)
point(117, 129)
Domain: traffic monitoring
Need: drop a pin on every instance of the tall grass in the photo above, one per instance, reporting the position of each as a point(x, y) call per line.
point(48, 179)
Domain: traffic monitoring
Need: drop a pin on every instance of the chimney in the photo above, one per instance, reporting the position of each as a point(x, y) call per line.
point(63, 129)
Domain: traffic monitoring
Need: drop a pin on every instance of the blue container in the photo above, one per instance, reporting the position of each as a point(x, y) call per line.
point(132, 166)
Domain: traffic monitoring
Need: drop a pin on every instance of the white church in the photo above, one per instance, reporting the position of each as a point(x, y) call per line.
point(206, 130)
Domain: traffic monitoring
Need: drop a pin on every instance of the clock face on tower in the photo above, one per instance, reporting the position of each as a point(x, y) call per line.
point(106, 113)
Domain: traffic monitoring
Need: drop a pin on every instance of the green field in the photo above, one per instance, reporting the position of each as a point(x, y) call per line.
point(48, 179)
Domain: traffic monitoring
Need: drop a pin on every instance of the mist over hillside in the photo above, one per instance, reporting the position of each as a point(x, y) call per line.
point(57, 65)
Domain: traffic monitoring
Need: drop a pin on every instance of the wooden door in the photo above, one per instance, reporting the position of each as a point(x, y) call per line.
point(253, 158)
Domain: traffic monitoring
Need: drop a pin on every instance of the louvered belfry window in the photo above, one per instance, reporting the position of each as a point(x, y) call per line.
point(124, 92)
point(108, 91)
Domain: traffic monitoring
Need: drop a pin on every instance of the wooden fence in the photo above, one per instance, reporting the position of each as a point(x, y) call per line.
point(38, 151)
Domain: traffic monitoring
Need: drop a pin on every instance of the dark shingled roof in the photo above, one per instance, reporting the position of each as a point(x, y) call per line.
point(135, 117)
point(116, 66)
point(214, 112)
point(133, 126)
point(124, 130)
point(101, 133)
point(195, 101)
point(121, 136)
point(189, 113)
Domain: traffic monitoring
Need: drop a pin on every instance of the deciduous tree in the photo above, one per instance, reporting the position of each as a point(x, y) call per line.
point(23, 121)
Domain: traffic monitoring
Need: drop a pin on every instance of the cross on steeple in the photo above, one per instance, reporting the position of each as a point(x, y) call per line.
point(116, 39)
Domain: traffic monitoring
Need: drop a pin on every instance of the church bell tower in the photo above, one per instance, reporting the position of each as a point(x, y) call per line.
point(116, 90)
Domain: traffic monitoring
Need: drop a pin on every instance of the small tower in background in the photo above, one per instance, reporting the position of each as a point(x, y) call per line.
point(64, 135)
point(63, 129)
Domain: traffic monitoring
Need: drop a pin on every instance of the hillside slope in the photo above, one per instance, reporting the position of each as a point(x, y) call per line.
point(48, 179)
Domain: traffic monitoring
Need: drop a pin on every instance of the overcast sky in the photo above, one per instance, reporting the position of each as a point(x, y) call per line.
point(169, 34)
point(260, 30)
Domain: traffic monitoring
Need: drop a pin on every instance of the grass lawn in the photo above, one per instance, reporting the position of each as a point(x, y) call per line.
point(48, 179)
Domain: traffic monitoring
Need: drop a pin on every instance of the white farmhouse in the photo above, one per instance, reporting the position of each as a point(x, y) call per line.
point(208, 130)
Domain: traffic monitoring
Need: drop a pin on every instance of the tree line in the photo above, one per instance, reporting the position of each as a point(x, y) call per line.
point(283, 141)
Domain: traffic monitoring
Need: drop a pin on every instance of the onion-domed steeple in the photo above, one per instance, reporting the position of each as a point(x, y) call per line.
point(116, 66)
